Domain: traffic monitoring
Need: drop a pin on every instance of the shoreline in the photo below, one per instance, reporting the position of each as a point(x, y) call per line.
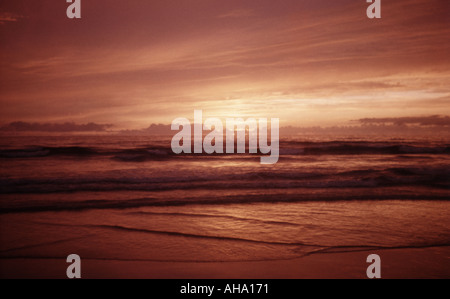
point(410, 263)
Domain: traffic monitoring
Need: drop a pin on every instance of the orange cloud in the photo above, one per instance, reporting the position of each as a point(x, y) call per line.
point(142, 62)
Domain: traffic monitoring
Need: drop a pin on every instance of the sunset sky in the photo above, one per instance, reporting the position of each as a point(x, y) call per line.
point(308, 62)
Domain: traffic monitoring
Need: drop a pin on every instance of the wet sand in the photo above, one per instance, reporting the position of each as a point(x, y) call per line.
point(408, 263)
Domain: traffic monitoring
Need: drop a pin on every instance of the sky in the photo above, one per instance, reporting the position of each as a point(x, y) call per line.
point(307, 62)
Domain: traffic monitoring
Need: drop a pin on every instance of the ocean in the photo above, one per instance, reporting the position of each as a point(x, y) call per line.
point(129, 198)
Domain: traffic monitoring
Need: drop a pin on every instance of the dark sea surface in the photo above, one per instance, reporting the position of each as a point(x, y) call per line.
point(131, 198)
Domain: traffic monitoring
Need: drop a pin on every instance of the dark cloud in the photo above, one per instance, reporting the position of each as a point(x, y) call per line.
point(20, 126)
point(153, 129)
point(434, 120)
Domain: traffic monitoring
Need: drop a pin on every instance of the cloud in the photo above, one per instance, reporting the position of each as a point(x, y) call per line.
point(9, 17)
point(151, 61)
point(433, 120)
point(153, 129)
point(20, 126)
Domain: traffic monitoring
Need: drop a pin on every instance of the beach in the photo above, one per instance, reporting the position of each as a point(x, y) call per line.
point(428, 263)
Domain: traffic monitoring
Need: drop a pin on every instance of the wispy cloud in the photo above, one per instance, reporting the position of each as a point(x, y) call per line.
point(434, 120)
point(20, 126)
point(151, 61)
point(9, 17)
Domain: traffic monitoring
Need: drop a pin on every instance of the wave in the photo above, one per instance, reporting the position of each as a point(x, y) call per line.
point(32, 152)
point(360, 148)
point(133, 154)
point(296, 249)
point(217, 216)
point(291, 148)
point(366, 194)
point(437, 176)
point(346, 249)
point(197, 236)
point(42, 244)
point(328, 250)
point(315, 248)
